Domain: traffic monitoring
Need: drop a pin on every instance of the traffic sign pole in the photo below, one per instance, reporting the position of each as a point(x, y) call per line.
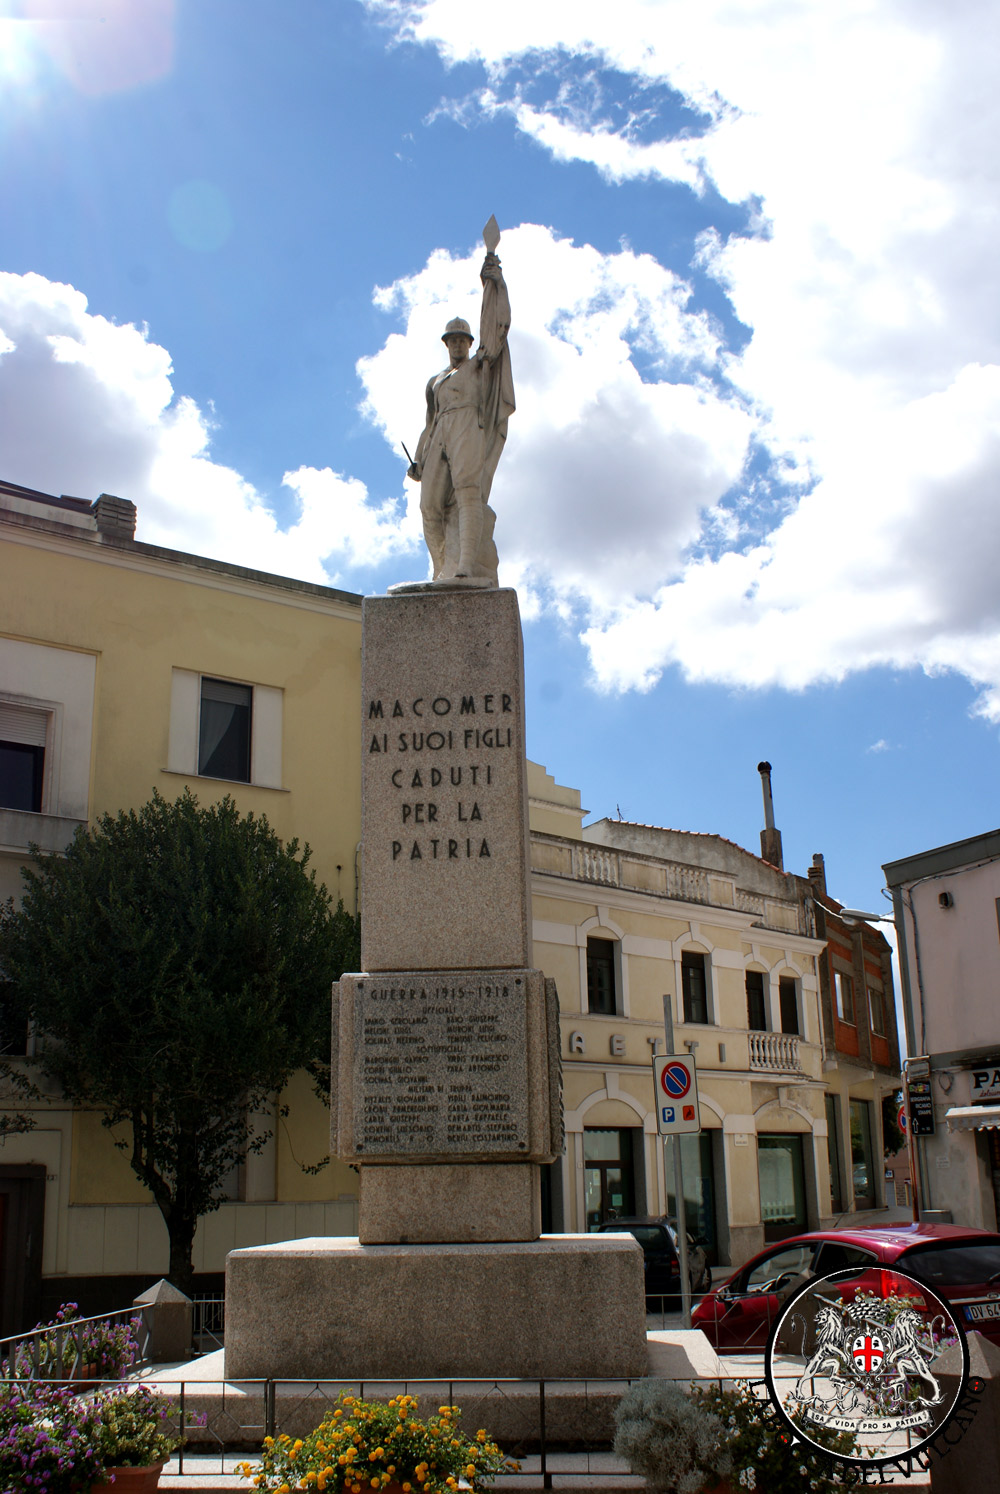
point(682, 1237)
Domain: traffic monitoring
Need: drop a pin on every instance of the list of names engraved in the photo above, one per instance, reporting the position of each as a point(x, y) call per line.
point(442, 1065)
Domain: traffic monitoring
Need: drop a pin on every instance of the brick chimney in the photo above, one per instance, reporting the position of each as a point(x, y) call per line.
point(770, 838)
point(817, 874)
point(115, 517)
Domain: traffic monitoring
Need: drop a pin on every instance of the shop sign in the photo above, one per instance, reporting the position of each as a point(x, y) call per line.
point(985, 1084)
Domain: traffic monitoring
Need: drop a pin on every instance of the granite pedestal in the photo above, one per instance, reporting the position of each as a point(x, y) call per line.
point(570, 1306)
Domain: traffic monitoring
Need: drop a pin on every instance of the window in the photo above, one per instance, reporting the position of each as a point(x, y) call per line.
point(834, 1153)
point(601, 984)
point(695, 985)
point(793, 1261)
point(844, 985)
point(756, 1007)
point(22, 757)
point(862, 1159)
point(876, 1010)
point(609, 1174)
point(782, 1185)
point(224, 730)
point(788, 1002)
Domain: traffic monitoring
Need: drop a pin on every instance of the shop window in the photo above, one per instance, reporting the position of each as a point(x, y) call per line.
point(782, 1185)
point(609, 1174)
point(756, 1004)
point(844, 988)
point(224, 730)
point(602, 983)
point(876, 1010)
point(694, 981)
point(22, 757)
point(788, 1003)
point(862, 1161)
point(834, 1151)
point(699, 1187)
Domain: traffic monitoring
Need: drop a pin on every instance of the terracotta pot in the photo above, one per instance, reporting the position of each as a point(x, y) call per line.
point(129, 1480)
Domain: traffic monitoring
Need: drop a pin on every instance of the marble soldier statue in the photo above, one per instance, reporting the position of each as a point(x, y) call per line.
point(468, 404)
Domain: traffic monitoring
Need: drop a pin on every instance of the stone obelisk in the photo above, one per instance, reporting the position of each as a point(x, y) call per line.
point(446, 1074)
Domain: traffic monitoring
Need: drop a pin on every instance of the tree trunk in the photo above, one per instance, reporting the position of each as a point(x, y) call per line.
point(180, 1229)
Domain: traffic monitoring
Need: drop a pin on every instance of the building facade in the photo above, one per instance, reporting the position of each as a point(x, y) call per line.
point(947, 910)
point(634, 922)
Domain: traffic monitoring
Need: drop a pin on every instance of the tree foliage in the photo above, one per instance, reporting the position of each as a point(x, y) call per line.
point(178, 961)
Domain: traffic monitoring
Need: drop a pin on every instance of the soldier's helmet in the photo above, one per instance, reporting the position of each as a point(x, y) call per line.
point(457, 324)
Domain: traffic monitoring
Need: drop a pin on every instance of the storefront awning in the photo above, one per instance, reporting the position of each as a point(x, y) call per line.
point(973, 1117)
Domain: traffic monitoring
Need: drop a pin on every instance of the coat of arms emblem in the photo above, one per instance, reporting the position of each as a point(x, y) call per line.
point(844, 1358)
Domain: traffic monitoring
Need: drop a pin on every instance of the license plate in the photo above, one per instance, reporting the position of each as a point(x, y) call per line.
point(976, 1311)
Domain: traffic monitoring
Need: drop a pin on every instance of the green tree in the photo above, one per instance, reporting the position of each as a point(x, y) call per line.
point(177, 964)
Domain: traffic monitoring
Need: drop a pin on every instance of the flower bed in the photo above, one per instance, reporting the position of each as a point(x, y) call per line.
point(365, 1446)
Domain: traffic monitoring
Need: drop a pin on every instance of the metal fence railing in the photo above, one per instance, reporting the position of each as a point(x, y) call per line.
point(81, 1349)
point(208, 1327)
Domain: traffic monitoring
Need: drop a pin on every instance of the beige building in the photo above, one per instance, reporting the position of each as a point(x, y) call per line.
point(629, 917)
point(126, 668)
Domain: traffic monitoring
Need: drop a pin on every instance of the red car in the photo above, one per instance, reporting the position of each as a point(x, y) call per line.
point(962, 1266)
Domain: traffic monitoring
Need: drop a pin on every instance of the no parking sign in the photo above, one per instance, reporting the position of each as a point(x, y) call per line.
point(676, 1086)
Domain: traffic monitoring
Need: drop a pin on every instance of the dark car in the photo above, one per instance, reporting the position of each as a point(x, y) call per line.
point(658, 1238)
point(962, 1266)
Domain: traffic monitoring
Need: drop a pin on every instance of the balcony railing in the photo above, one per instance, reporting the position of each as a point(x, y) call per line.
point(775, 1052)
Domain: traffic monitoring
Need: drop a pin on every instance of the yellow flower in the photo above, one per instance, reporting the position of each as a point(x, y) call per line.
point(342, 1460)
point(407, 1489)
point(376, 1482)
point(480, 1435)
point(470, 1470)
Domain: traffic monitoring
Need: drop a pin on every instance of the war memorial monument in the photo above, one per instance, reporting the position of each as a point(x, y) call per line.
point(446, 1060)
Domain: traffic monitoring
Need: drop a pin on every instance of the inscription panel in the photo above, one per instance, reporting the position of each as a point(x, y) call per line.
point(440, 1066)
point(444, 797)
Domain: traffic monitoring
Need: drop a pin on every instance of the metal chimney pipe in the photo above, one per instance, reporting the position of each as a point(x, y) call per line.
point(764, 769)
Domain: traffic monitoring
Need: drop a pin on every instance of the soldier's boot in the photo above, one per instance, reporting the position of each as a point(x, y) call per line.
point(470, 530)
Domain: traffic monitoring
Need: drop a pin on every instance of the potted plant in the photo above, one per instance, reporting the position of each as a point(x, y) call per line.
point(73, 1348)
point(384, 1446)
point(135, 1435)
point(48, 1439)
point(765, 1456)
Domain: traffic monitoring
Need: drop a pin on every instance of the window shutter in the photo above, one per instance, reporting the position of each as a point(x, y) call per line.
point(18, 724)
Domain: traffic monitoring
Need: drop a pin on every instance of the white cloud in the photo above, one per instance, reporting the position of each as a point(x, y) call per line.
point(87, 406)
point(866, 132)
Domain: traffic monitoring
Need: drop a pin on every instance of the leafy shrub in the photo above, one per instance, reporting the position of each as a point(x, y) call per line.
point(677, 1442)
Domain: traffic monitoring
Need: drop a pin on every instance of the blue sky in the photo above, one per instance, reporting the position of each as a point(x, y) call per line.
point(749, 497)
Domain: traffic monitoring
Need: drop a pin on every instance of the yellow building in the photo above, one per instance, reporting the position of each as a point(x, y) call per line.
point(126, 668)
